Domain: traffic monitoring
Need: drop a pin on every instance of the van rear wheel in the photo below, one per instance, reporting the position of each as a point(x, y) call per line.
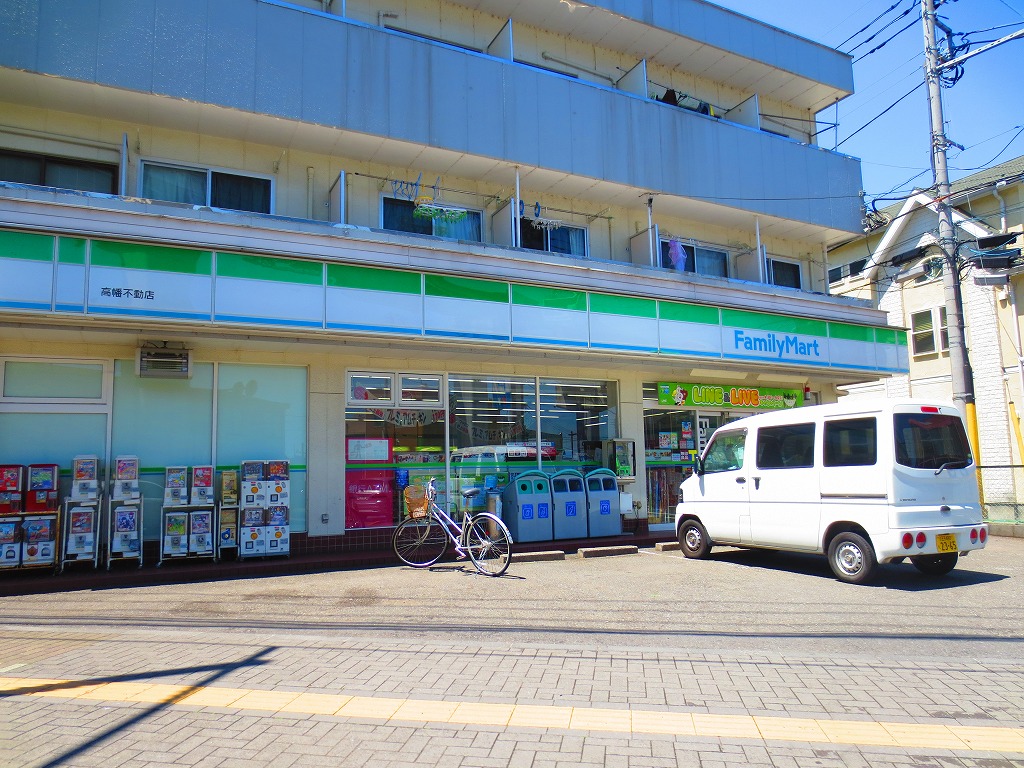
point(936, 565)
point(852, 558)
point(693, 539)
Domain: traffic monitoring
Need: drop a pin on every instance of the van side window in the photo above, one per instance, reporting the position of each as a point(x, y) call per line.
point(791, 445)
point(725, 452)
point(851, 442)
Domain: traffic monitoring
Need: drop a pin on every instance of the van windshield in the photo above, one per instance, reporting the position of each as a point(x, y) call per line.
point(931, 441)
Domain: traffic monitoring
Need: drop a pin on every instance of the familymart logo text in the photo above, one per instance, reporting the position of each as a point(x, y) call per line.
point(773, 344)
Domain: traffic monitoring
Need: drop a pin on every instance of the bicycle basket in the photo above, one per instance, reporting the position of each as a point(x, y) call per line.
point(416, 501)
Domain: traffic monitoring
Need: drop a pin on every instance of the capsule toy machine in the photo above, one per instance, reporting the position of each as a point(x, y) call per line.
point(82, 512)
point(124, 512)
point(42, 510)
point(252, 528)
point(12, 483)
point(277, 480)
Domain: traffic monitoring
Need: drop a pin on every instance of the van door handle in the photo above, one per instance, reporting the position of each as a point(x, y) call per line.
point(741, 480)
point(757, 483)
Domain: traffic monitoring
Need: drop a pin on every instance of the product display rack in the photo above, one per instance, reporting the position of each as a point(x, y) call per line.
point(227, 513)
point(264, 494)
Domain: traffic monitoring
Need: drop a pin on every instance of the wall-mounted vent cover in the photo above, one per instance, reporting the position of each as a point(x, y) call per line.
point(163, 363)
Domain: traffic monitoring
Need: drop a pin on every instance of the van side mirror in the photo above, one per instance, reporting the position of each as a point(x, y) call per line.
point(698, 465)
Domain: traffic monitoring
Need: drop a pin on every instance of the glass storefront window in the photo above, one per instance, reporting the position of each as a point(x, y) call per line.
point(53, 381)
point(670, 442)
point(575, 416)
point(376, 387)
point(387, 450)
point(493, 431)
point(421, 390)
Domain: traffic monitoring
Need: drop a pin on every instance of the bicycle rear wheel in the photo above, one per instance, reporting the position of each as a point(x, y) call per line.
point(420, 542)
point(489, 544)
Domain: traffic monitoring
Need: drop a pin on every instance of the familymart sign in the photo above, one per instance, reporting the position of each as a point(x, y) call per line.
point(720, 396)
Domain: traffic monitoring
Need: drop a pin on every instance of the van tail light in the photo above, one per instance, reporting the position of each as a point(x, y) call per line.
point(983, 535)
point(974, 535)
point(921, 538)
point(908, 540)
point(929, 409)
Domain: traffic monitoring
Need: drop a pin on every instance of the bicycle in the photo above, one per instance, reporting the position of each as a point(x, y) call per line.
point(422, 538)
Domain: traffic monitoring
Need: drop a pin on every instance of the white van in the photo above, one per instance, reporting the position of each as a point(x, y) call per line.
point(864, 482)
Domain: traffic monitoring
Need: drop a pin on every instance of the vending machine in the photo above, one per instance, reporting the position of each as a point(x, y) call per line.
point(81, 515)
point(252, 533)
point(253, 491)
point(124, 512)
point(227, 513)
point(200, 532)
point(12, 486)
point(277, 478)
point(176, 486)
point(39, 545)
point(12, 483)
point(10, 541)
point(85, 479)
point(43, 488)
point(174, 535)
point(202, 486)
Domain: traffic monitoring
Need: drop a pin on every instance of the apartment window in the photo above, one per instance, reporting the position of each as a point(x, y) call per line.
point(62, 172)
point(683, 257)
point(563, 238)
point(203, 186)
point(459, 224)
point(785, 274)
point(852, 269)
point(929, 331)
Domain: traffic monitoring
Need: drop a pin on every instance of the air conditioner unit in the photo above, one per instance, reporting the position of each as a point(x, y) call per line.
point(163, 363)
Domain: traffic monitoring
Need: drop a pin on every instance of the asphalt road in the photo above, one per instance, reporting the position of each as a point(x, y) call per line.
point(738, 600)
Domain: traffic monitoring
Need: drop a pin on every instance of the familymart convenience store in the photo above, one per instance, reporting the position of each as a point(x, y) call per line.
point(417, 366)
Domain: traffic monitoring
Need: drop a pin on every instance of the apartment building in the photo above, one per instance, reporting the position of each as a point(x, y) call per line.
point(370, 238)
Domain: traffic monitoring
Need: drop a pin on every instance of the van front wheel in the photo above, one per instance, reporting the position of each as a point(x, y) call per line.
point(693, 539)
point(935, 565)
point(852, 558)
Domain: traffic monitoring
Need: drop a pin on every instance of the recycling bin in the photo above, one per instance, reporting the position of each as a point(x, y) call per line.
point(603, 503)
point(568, 505)
point(526, 507)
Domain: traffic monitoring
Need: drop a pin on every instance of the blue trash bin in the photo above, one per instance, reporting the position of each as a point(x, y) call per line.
point(526, 507)
point(569, 505)
point(603, 514)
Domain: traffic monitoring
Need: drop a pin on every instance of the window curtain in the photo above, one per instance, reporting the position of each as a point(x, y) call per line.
point(240, 193)
point(398, 216)
point(178, 185)
point(571, 240)
point(713, 263)
point(468, 228)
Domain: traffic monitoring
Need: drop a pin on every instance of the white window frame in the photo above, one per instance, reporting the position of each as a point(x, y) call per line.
point(771, 261)
point(939, 331)
point(106, 388)
point(209, 170)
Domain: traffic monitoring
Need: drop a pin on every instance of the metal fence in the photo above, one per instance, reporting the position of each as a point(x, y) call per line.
point(1002, 492)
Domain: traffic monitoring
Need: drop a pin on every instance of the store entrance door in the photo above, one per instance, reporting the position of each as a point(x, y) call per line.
point(709, 421)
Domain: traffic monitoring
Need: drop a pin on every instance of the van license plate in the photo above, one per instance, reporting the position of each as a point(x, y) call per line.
point(946, 542)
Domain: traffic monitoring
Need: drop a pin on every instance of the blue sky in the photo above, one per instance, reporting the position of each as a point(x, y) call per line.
point(984, 111)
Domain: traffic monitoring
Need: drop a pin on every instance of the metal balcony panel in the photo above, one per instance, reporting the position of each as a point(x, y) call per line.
point(697, 37)
point(393, 105)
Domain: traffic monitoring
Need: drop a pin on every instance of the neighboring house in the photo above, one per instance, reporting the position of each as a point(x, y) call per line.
point(376, 237)
point(899, 266)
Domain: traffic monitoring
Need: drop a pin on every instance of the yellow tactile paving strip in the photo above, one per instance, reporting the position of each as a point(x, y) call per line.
point(632, 721)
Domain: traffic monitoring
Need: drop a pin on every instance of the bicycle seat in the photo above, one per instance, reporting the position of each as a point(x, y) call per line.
point(469, 493)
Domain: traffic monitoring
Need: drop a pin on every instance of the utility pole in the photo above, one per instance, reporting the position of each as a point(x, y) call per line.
point(959, 361)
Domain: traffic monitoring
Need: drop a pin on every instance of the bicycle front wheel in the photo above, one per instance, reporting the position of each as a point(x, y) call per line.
point(420, 542)
point(489, 544)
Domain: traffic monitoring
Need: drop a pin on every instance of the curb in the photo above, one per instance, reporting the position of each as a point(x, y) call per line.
point(537, 557)
point(667, 546)
point(607, 551)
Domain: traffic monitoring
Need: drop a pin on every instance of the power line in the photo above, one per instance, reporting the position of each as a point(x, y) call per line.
point(869, 122)
point(866, 26)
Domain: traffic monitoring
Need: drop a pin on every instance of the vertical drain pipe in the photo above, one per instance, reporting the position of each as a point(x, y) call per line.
point(309, 191)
